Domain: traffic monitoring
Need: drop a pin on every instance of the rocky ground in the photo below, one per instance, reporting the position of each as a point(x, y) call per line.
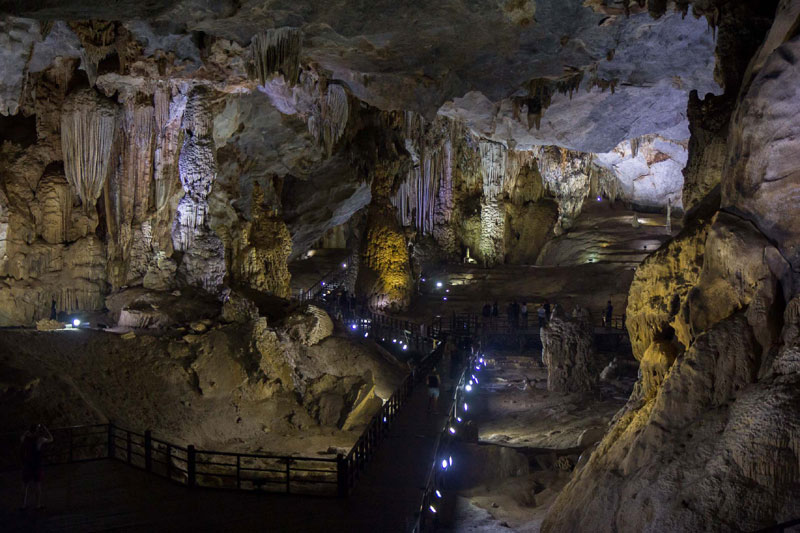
point(292, 387)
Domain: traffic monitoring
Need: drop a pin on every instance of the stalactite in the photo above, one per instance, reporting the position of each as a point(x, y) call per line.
point(635, 146)
point(333, 119)
point(87, 135)
point(277, 51)
point(494, 157)
point(97, 39)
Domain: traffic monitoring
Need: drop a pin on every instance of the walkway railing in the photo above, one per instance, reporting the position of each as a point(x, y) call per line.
point(193, 467)
point(442, 463)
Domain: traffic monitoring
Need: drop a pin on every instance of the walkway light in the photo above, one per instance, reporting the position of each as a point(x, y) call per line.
point(444, 464)
point(468, 387)
point(438, 284)
point(344, 265)
point(438, 494)
point(466, 407)
point(452, 430)
point(451, 460)
point(76, 322)
point(458, 419)
point(384, 419)
point(354, 326)
point(433, 509)
point(394, 340)
point(366, 334)
point(444, 298)
point(405, 347)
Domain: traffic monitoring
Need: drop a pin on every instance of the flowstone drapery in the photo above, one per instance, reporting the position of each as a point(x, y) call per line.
point(87, 136)
point(277, 50)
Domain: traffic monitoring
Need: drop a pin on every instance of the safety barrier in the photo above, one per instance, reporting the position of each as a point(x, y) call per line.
point(194, 467)
point(442, 463)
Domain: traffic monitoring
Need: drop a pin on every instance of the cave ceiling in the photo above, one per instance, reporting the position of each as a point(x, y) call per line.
point(578, 74)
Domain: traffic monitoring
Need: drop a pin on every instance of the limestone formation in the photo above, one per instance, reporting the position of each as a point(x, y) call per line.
point(568, 353)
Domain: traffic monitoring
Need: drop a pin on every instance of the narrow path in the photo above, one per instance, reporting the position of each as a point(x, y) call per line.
point(105, 495)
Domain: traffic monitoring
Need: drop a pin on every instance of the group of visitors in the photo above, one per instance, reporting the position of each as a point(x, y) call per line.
point(517, 314)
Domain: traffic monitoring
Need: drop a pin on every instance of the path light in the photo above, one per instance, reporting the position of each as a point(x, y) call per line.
point(468, 387)
point(423, 280)
point(433, 509)
point(438, 284)
point(394, 340)
point(458, 419)
point(438, 494)
point(384, 419)
point(405, 346)
point(452, 430)
point(444, 298)
point(599, 198)
point(366, 334)
point(76, 322)
point(344, 265)
point(444, 464)
point(354, 326)
point(476, 379)
point(466, 407)
point(451, 460)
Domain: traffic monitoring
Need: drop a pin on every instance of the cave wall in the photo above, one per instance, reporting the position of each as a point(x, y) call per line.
point(707, 440)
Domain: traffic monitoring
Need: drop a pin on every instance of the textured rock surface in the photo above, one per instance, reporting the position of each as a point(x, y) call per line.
point(568, 352)
point(762, 174)
point(232, 386)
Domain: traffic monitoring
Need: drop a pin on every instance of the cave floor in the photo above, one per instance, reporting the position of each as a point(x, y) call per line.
point(513, 408)
point(106, 495)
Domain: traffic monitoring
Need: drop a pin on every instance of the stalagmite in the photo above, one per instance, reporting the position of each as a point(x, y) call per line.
point(494, 157)
point(277, 51)
point(669, 215)
point(53, 210)
point(87, 135)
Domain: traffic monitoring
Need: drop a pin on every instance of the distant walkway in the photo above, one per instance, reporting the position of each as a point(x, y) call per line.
point(106, 495)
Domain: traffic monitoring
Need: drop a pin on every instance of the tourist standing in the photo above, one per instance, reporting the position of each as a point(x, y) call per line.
point(32, 462)
point(608, 314)
point(542, 315)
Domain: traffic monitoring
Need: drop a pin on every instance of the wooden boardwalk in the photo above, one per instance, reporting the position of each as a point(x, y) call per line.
point(108, 495)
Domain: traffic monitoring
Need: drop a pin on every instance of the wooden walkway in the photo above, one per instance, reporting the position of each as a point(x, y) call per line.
point(108, 495)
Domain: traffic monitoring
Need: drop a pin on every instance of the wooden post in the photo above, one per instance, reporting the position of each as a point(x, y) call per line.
point(341, 476)
point(288, 475)
point(191, 465)
point(148, 450)
point(111, 443)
